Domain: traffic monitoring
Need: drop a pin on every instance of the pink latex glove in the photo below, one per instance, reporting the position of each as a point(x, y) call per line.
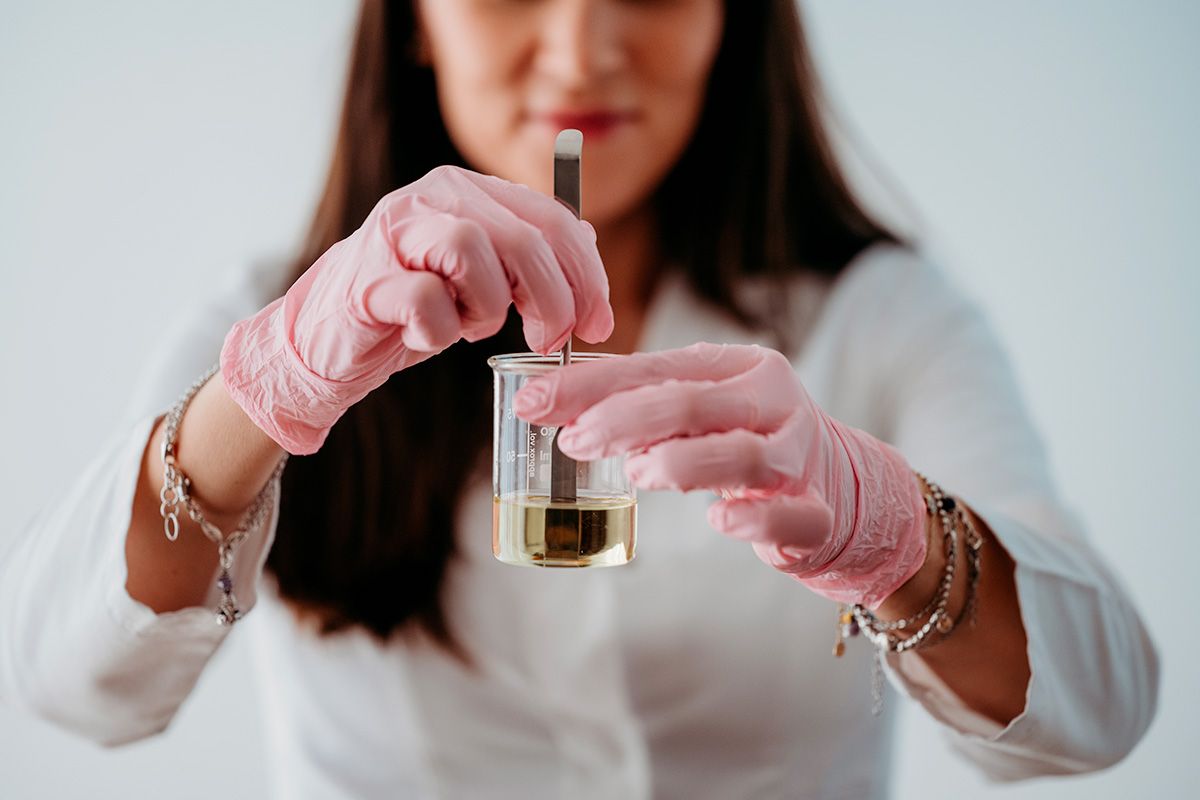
point(832, 506)
point(435, 261)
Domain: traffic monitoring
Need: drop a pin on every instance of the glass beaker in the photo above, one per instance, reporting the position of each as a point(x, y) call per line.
point(529, 527)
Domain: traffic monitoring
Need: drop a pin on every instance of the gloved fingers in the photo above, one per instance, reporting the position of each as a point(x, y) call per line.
point(573, 242)
point(539, 286)
point(562, 395)
point(418, 302)
point(537, 239)
point(737, 460)
point(794, 561)
point(536, 282)
point(540, 289)
point(802, 523)
point(759, 399)
point(459, 250)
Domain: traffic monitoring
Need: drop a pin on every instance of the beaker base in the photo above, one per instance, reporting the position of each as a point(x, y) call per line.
point(529, 530)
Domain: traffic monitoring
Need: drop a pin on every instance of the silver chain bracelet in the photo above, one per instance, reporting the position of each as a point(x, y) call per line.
point(177, 488)
point(935, 616)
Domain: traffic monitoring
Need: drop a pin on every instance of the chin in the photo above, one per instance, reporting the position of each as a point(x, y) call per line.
point(605, 199)
point(610, 204)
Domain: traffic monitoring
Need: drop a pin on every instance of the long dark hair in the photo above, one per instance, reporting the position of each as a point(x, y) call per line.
point(366, 525)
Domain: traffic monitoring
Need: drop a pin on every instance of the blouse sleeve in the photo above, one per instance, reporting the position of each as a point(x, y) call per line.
point(75, 647)
point(949, 401)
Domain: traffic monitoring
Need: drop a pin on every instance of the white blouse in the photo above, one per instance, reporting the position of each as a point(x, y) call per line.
point(695, 671)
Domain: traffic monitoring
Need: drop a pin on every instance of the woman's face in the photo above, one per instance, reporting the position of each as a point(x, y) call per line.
point(630, 74)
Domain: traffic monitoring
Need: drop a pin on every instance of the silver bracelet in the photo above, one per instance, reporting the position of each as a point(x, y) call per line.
point(177, 488)
point(935, 616)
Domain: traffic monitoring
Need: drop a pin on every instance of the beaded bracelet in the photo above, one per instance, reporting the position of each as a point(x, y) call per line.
point(935, 616)
point(177, 488)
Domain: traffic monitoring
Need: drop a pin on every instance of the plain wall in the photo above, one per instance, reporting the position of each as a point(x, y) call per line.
point(1045, 154)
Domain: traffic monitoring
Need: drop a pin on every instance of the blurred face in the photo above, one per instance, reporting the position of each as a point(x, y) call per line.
point(630, 74)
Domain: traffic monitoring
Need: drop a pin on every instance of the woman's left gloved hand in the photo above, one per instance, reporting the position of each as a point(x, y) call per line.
point(832, 506)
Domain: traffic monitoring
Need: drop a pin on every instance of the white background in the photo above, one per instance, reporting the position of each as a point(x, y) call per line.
point(1046, 153)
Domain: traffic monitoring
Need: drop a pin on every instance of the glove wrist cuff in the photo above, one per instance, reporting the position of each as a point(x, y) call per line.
point(260, 384)
point(887, 544)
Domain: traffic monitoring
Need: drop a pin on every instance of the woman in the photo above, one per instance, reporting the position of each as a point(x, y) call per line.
point(397, 657)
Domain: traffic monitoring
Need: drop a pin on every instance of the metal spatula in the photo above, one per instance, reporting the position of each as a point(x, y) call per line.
point(568, 148)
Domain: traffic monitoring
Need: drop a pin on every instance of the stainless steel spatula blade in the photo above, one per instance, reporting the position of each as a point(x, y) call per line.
point(568, 150)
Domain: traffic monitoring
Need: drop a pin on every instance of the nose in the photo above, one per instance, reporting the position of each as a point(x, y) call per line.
point(580, 41)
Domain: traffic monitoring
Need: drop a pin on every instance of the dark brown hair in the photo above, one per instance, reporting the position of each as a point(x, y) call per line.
point(366, 525)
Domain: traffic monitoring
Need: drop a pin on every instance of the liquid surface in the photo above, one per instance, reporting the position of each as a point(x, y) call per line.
point(591, 532)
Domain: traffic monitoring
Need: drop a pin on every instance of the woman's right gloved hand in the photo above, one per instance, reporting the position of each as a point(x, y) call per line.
point(437, 260)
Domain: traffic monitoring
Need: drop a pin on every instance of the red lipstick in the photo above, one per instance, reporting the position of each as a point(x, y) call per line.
point(593, 123)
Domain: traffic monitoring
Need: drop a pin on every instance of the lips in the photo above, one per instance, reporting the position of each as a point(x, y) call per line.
point(593, 123)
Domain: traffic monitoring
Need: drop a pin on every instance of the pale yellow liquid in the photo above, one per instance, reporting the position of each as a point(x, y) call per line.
point(591, 532)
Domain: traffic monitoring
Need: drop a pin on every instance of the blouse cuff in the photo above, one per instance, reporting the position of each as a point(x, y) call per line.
point(1071, 594)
